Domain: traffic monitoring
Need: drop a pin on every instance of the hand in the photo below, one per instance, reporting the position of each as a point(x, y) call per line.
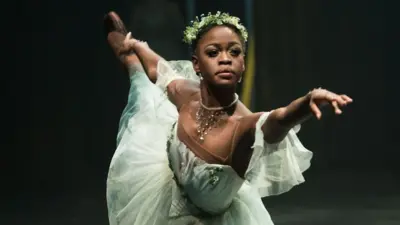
point(130, 43)
point(320, 97)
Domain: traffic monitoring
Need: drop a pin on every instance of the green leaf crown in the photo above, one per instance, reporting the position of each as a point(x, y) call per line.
point(191, 32)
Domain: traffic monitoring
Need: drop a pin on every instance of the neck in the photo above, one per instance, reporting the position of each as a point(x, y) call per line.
point(212, 96)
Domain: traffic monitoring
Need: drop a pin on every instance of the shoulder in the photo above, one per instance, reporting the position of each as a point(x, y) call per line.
point(184, 87)
point(249, 121)
point(181, 91)
point(247, 124)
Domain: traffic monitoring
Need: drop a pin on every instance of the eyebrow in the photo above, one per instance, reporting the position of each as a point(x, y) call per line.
point(229, 44)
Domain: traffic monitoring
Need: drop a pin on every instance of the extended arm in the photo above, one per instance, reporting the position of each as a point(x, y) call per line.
point(281, 120)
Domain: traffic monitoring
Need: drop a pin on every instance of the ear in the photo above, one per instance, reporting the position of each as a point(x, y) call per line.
point(244, 67)
point(195, 62)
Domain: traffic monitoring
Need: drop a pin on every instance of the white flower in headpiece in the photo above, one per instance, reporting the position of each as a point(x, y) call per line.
point(219, 18)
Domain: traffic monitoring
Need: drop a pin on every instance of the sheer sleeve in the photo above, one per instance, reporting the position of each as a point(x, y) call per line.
point(167, 71)
point(276, 168)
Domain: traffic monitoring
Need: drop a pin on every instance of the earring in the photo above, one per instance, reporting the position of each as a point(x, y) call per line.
point(199, 74)
point(240, 80)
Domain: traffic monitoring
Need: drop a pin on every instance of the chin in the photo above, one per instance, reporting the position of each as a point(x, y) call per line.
point(225, 83)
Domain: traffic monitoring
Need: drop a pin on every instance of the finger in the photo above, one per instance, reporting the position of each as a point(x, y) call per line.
point(128, 36)
point(346, 98)
point(133, 42)
point(336, 107)
point(332, 97)
point(338, 99)
point(315, 110)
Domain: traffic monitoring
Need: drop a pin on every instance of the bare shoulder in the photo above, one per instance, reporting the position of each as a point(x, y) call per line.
point(185, 87)
point(246, 117)
point(181, 91)
point(248, 122)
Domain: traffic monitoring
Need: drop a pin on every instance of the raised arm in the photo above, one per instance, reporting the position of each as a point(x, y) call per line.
point(281, 120)
point(146, 55)
point(128, 50)
point(134, 53)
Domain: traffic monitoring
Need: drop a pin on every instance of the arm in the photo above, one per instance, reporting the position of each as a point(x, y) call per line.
point(129, 51)
point(127, 58)
point(132, 52)
point(179, 90)
point(281, 120)
point(136, 53)
point(146, 55)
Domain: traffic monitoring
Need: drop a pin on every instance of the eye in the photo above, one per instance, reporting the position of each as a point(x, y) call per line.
point(212, 53)
point(236, 52)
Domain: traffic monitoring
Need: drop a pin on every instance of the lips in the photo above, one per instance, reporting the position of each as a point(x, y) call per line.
point(225, 73)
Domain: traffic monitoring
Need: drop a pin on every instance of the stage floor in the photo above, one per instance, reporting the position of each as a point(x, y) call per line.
point(332, 198)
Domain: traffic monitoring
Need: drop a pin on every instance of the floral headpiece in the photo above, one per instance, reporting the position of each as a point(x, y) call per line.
point(191, 32)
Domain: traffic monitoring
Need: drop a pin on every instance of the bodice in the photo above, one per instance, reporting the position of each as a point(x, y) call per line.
point(210, 187)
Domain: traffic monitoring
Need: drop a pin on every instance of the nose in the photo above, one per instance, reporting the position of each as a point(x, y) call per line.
point(225, 59)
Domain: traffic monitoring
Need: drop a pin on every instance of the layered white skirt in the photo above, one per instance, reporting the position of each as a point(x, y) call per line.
point(142, 187)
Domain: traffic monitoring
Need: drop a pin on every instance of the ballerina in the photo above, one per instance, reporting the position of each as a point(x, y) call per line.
point(188, 151)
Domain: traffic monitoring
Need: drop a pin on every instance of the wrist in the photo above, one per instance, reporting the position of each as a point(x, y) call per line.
point(296, 112)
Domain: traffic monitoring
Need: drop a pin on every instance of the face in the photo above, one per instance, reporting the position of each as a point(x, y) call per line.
point(220, 57)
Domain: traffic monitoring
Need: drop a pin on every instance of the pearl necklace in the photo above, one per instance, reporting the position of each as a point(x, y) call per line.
point(208, 118)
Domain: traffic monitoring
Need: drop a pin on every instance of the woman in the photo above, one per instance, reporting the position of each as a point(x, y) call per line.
point(188, 151)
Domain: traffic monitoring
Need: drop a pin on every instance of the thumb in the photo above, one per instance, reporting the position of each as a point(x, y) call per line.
point(128, 36)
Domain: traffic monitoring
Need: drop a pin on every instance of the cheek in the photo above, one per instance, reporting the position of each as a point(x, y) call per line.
point(242, 58)
point(241, 63)
point(207, 65)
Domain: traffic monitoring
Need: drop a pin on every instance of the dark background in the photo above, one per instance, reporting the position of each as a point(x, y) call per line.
point(66, 91)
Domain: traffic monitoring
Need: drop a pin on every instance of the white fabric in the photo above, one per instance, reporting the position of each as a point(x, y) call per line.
point(172, 70)
point(155, 179)
point(276, 168)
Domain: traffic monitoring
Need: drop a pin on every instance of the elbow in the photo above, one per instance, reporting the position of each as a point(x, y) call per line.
point(274, 134)
point(274, 131)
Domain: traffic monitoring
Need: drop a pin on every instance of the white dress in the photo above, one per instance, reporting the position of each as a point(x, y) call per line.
point(154, 179)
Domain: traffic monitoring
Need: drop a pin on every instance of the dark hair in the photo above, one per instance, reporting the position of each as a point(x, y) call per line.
point(207, 28)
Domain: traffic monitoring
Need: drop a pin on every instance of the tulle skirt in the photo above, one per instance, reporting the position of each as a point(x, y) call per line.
point(141, 187)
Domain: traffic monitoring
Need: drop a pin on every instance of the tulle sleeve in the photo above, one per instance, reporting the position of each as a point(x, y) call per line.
point(276, 168)
point(168, 71)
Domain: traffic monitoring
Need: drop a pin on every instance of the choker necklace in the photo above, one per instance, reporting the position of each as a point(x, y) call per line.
point(220, 107)
point(208, 118)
